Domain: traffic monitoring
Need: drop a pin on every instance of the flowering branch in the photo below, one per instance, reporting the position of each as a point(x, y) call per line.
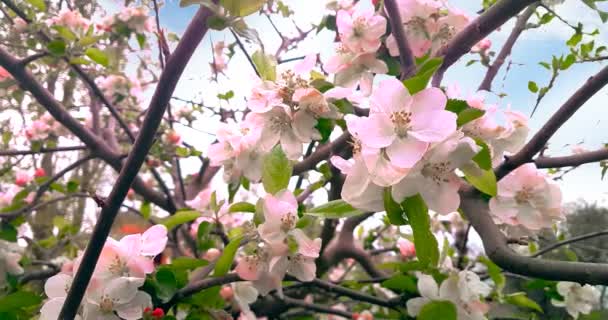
point(490, 20)
point(537, 143)
point(497, 249)
point(167, 83)
point(316, 307)
point(406, 57)
point(323, 152)
point(519, 27)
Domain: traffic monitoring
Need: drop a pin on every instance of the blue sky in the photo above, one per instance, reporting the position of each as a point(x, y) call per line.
point(586, 126)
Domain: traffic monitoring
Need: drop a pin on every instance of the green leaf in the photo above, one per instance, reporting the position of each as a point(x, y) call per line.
point(532, 86)
point(467, 115)
point(482, 180)
point(166, 283)
point(8, 232)
point(519, 299)
point(436, 310)
point(180, 217)
point(38, 4)
point(87, 40)
point(495, 273)
point(98, 56)
point(242, 8)
point(393, 209)
point(427, 248)
point(56, 47)
point(146, 209)
point(456, 105)
point(242, 207)
point(401, 283)
point(225, 261)
point(141, 40)
point(182, 152)
point(483, 158)
point(65, 33)
point(186, 263)
point(546, 18)
point(276, 171)
point(325, 127)
point(265, 64)
point(19, 300)
point(569, 61)
point(335, 209)
point(72, 186)
point(419, 82)
point(226, 96)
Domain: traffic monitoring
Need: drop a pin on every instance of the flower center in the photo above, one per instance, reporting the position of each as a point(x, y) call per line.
point(288, 222)
point(436, 171)
point(117, 266)
point(106, 305)
point(401, 120)
point(356, 145)
point(279, 122)
point(359, 26)
point(524, 195)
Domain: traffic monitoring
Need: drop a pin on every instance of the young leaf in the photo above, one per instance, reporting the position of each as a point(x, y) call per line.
point(38, 4)
point(19, 300)
point(335, 209)
point(98, 56)
point(180, 217)
point(532, 86)
point(519, 299)
point(276, 171)
point(467, 115)
point(145, 209)
point(242, 8)
point(225, 261)
point(242, 207)
point(435, 310)
point(419, 82)
point(265, 64)
point(56, 47)
point(482, 180)
point(394, 212)
point(427, 248)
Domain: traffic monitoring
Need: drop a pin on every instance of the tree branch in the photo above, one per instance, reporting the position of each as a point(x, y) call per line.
point(316, 307)
point(519, 27)
point(537, 143)
point(569, 241)
point(41, 150)
point(496, 248)
point(406, 57)
point(490, 20)
point(322, 153)
point(573, 160)
point(166, 85)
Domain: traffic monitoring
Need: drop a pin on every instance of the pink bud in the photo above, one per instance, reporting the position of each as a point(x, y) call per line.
point(22, 178)
point(39, 173)
point(212, 254)
point(406, 248)
point(226, 293)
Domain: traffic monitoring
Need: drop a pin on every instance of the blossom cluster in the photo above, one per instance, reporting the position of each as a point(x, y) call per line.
point(278, 247)
point(284, 112)
point(41, 127)
point(71, 19)
point(577, 299)
point(10, 255)
point(134, 19)
point(113, 292)
point(119, 87)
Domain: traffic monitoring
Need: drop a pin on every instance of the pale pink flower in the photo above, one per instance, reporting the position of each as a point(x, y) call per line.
point(578, 299)
point(405, 125)
point(20, 25)
point(69, 19)
point(137, 19)
point(118, 299)
point(359, 190)
point(433, 177)
point(201, 201)
point(351, 70)
point(300, 264)
point(360, 31)
point(306, 65)
point(527, 197)
point(278, 126)
point(264, 96)
point(280, 217)
point(482, 45)
point(212, 254)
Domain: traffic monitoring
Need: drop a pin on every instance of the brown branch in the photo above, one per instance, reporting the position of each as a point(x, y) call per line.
point(573, 160)
point(519, 27)
point(569, 241)
point(323, 152)
point(496, 248)
point(41, 150)
point(168, 81)
point(537, 143)
point(406, 57)
point(316, 307)
point(490, 20)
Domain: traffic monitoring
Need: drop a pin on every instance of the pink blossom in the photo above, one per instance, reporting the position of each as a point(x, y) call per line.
point(226, 293)
point(212, 254)
point(482, 45)
point(70, 19)
point(201, 201)
point(280, 217)
point(22, 178)
point(351, 69)
point(527, 197)
point(406, 248)
point(360, 31)
point(4, 74)
point(433, 177)
point(406, 125)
